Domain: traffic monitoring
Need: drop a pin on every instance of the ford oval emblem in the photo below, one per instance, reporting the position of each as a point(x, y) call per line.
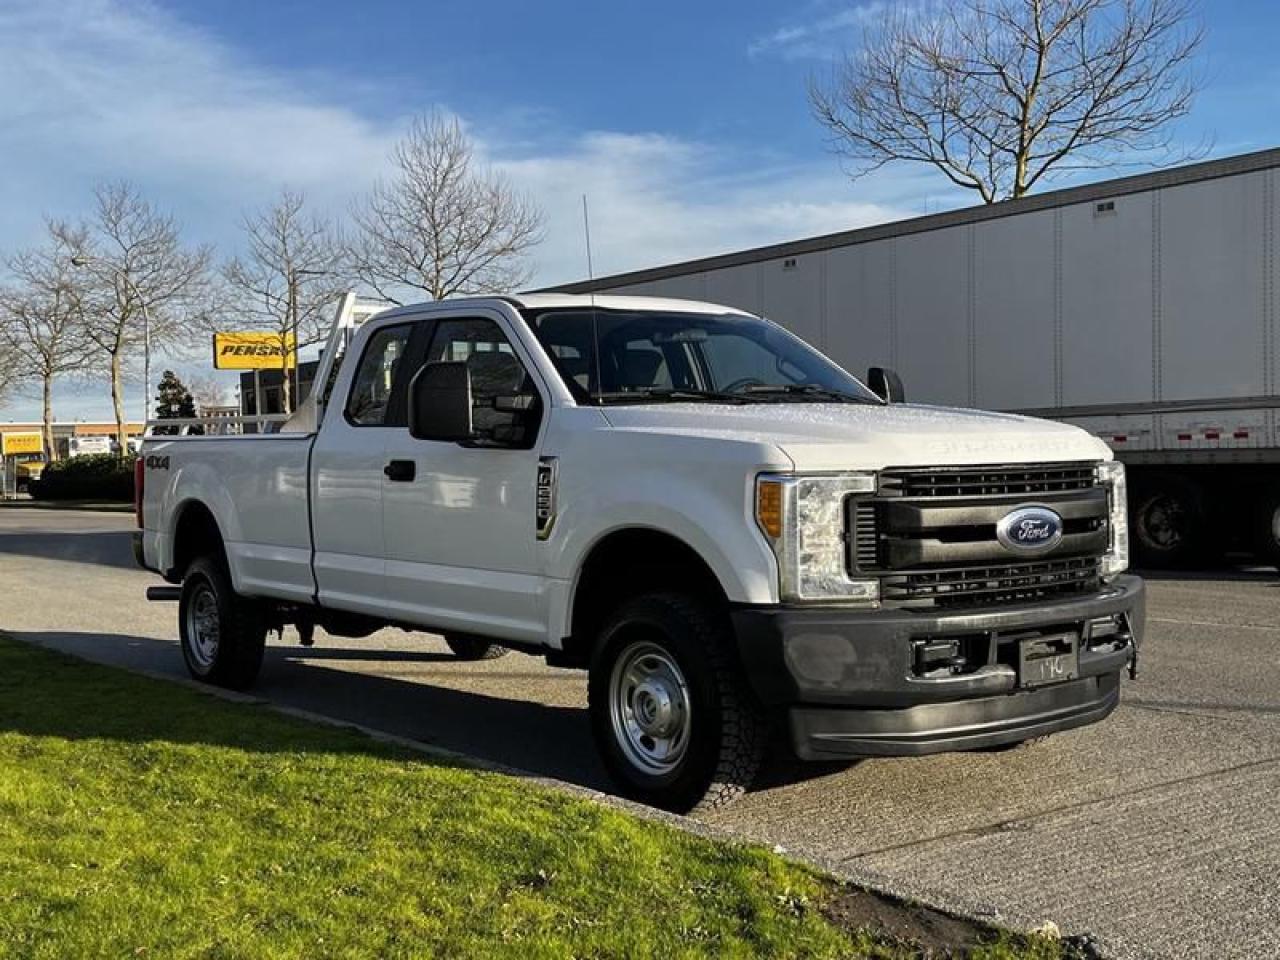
point(1030, 530)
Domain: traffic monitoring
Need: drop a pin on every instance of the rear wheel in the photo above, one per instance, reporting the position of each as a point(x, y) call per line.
point(672, 717)
point(1169, 528)
point(1266, 528)
point(223, 634)
point(473, 648)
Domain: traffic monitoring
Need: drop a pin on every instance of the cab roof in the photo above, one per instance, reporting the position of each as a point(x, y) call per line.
point(566, 301)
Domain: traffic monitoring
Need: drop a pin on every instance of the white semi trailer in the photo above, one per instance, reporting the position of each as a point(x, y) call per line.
point(1144, 309)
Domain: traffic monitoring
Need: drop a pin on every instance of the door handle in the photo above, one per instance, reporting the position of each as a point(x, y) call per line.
point(401, 471)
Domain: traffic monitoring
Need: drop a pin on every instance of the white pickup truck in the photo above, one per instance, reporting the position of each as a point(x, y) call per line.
point(724, 528)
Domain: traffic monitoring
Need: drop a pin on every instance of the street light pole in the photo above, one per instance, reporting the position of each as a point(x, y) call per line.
point(146, 330)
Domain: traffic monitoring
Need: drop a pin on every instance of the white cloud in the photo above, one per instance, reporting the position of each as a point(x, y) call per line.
point(827, 32)
point(99, 89)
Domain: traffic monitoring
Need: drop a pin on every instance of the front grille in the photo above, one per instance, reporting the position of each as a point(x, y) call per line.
point(996, 481)
point(1002, 583)
point(931, 534)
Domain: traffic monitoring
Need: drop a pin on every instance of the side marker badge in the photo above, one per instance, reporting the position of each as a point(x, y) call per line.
point(545, 504)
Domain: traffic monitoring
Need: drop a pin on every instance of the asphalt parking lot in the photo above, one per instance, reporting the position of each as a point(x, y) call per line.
point(1157, 831)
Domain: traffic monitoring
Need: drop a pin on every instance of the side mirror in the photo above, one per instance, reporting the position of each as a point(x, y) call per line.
point(440, 403)
point(886, 384)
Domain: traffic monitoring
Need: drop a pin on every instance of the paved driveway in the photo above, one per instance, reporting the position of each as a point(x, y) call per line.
point(1157, 831)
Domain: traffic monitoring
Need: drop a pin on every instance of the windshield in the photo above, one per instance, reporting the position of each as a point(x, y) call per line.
point(620, 356)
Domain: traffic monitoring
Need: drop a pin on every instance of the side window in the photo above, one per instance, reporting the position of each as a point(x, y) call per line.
point(371, 401)
point(505, 401)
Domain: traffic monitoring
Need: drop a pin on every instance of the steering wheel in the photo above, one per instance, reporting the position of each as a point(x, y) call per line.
point(741, 384)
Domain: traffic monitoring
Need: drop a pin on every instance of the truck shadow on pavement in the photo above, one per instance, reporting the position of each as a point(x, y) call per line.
point(108, 548)
point(543, 739)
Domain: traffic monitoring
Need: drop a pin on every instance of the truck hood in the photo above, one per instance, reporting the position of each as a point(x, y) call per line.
point(838, 436)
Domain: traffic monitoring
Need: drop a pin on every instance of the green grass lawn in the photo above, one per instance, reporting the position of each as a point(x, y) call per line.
point(143, 819)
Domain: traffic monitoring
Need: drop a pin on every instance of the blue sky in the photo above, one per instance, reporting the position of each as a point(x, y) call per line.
point(686, 123)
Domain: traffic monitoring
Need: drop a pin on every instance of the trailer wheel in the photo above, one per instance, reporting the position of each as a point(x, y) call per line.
point(223, 634)
point(1266, 527)
point(1169, 527)
point(673, 720)
point(466, 647)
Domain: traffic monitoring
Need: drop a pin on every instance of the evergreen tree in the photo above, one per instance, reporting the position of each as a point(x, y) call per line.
point(174, 402)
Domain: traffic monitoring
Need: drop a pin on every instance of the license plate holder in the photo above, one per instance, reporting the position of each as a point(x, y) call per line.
point(1047, 660)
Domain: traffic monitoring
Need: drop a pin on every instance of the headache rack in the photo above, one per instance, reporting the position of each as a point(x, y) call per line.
point(930, 534)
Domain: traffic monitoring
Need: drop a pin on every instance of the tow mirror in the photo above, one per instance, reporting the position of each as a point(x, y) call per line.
point(886, 384)
point(440, 403)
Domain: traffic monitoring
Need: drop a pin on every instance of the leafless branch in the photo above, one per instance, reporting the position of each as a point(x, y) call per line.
point(440, 226)
point(999, 95)
point(133, 256)
point(292, 271)
point(43, 335)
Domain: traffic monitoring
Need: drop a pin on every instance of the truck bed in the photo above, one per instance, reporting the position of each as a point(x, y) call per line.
point(257, 485)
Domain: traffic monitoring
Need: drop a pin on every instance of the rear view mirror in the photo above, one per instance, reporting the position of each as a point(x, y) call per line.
point(440, 403)
point(886, 384)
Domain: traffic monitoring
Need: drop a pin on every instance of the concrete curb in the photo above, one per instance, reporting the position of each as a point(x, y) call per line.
point(946, 902)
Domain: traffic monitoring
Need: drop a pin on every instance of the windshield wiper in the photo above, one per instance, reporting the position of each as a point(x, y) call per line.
point(668, 395)
point(806, 391)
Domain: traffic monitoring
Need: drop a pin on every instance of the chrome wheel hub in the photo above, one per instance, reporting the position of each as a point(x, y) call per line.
point(649, 708)
point(203, 628)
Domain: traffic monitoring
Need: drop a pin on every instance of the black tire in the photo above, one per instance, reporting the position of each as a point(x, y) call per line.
point(1169, 529)
point(466, 647)
point(1265, 527)
point(236, 626)
point(724, 738)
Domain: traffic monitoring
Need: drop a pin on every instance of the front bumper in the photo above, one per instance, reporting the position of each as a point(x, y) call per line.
point(847, 678)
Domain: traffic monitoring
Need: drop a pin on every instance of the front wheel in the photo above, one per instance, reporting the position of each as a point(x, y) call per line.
point(672, 717)
point(223, 634)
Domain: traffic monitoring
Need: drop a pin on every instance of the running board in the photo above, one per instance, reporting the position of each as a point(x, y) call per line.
point(164, 594)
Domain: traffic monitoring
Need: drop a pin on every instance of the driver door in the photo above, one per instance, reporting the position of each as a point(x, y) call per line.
point(459, 521)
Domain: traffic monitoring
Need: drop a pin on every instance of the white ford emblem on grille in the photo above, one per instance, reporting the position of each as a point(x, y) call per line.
point(1030, 530)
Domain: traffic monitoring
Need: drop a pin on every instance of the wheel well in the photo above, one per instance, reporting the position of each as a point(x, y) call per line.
point(195, 535)
point(625, 564)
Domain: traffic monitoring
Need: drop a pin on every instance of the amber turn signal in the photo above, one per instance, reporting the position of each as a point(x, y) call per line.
point(769, 507)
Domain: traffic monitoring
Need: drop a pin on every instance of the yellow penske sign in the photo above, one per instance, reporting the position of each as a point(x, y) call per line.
point(25, 442)
point(252, 351)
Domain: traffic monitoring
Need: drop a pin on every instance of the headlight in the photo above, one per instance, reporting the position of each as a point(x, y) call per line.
point(1116, 559)
point(803, 519)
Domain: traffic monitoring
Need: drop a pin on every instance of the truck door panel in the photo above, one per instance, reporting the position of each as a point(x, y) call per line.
point(347, 475)
point(460, 537)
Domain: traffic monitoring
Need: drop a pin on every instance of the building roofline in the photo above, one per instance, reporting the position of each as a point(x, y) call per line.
point(1105, 189)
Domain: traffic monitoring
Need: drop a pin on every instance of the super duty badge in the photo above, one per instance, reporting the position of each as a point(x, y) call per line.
point(545, 503)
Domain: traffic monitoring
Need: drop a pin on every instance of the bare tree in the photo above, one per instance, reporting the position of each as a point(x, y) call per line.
point(148, 289)
point(208, 392)
point(442, 225)
point(999, 94)
point(289, 276)
point(42, 329)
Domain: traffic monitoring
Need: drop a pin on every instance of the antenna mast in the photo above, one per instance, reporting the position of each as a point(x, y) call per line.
point(595, 315)
point(586, 229)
